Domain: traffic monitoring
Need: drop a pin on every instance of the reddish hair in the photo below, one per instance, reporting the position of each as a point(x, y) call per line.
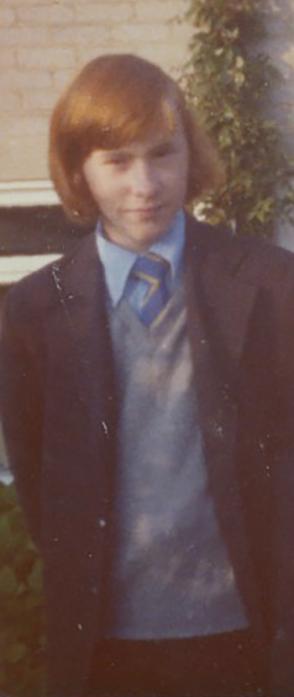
point(115, 100)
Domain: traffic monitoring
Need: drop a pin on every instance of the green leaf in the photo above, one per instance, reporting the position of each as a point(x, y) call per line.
point(22, 622)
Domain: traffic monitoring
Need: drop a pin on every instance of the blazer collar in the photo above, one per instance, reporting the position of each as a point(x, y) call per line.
point(214, 264)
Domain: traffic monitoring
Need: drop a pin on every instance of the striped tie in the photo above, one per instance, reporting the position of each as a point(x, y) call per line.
point(151, 271)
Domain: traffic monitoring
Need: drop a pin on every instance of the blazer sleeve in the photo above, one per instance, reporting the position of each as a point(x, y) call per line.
point(282, 514)
point(21, 407)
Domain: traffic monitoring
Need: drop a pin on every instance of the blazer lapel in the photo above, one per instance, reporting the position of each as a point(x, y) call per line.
point(82, 295)
point(219, 309)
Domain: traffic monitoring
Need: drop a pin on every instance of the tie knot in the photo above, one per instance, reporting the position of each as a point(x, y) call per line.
point(150, 267)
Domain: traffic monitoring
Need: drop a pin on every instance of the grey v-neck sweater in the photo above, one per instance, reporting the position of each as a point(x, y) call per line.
point(172, 574)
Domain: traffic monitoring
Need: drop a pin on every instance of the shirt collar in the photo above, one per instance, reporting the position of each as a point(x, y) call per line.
point(118, 261)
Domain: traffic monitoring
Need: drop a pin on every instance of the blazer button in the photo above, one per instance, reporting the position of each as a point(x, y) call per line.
point(101, 522)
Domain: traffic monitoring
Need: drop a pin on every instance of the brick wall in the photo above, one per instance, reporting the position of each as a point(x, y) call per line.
point(43, 43)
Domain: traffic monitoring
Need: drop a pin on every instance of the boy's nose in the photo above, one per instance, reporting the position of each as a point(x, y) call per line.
point(144, 179)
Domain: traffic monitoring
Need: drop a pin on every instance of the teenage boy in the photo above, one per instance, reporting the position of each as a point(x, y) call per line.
point(147, 391)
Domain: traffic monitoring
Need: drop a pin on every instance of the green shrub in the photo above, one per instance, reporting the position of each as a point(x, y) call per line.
point(21, 604)
point(229, 80)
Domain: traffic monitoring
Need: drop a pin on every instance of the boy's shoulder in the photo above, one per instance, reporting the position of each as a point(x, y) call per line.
point(32, 295)
point(251, 259)
point(37, 291)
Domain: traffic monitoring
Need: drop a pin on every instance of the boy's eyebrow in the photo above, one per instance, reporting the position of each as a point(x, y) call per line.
point(167, 143)
point(116, 151)
point(127, 150)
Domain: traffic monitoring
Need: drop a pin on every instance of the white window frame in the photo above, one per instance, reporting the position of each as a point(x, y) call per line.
point(25, 193)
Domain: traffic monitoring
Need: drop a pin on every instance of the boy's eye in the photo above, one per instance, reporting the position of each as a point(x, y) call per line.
point(117, 160)
point(162, 151)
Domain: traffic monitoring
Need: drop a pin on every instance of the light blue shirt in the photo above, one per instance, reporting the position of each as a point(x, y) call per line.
point(118, 261)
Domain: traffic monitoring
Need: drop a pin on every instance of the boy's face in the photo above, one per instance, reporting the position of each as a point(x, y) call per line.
point(139, 187)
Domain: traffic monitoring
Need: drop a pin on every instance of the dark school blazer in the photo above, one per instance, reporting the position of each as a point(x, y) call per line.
point(60, 411)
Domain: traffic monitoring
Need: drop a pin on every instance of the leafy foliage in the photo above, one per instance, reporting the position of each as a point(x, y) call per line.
point(228, 79)
point(22, 623)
